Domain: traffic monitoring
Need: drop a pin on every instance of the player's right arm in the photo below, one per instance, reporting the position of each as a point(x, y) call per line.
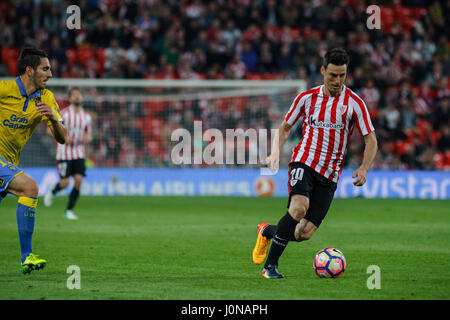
point(280, 138)
point(295, 112)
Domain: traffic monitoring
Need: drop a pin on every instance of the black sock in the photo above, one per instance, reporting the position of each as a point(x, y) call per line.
point(284, 234)
point(56, 189)
point(73, 198)
point(269, 231)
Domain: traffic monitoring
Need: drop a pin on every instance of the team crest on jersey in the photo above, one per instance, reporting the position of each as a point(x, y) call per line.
point(293, 182)
point(11, 167)
point(342, 109)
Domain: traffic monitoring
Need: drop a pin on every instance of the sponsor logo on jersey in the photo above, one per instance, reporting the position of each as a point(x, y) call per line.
point(322, 124)
point(15, 122)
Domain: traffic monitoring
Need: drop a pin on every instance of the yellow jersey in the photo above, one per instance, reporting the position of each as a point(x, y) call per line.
point(19, 118)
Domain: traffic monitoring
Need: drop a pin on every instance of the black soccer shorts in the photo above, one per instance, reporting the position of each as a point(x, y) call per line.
point(305, 181)
point(67, 168)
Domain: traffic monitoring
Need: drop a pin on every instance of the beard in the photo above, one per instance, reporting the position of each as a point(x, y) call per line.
point(38, 84)
point(334, 91)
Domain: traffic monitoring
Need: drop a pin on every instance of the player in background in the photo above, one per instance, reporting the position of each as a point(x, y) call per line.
point(24, 103)
point(70, 157)
point(329, 113)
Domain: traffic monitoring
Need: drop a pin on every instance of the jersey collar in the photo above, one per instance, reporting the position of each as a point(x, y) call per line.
point(23, 92)
point(322, 93)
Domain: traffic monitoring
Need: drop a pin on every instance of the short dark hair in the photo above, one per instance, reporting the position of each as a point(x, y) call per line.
point(336, 56)
point(29, 57)
point(72, 89)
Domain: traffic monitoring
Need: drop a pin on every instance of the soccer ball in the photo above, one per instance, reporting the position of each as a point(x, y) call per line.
point(329, 263)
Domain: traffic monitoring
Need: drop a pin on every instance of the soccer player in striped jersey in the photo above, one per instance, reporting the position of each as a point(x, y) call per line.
point(24, 103)
point(329, 113)
point(70, 157)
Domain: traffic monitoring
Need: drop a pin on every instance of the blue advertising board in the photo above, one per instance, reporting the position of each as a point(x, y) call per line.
point(244, 182)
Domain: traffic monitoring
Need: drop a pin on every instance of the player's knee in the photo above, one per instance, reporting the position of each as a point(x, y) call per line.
point(63, 183)
point(30, 189)
point(298, 210)
point(78, 181)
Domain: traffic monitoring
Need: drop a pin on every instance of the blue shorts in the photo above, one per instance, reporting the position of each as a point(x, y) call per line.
point(8, 172)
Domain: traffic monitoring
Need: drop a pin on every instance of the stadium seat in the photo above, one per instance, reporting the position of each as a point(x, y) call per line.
point(439, 160)
point(387, 12)
point(12, 67)
point(9, 57)
point(84, 55)
point(10, 54)
point(222, 104)
point(152, 146)
point(295, 33)
point(153, 108)
point(400, 147)
point(156, 126)
point(447, 159)
point(269, 76)
point(140, 123)
point(403, 12)
point(110, 163)
point(100, 55)
point(147, 127)
point(71, 56)
point(388, 20)
point(419, 12)
point(352, 3)
point(407, 24)
point(254, 76)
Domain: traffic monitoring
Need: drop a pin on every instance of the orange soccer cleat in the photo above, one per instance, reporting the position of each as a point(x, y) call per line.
point(262, 245)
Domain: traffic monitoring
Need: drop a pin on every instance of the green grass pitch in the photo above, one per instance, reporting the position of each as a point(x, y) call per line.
point(200, 248)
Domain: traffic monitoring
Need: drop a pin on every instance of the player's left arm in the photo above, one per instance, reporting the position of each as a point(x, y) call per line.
point(370, 151)
point(57, 128)
point(49, 110)
point(88, 134)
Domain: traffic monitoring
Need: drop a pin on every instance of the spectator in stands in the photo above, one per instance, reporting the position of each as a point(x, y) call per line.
point(135, 52)
point(236, 69)
point(249, 56)
point(443, 144)
point(113, 54)
point(6, 33)
point(59, 53)
point(288, 13)
point(284, 60)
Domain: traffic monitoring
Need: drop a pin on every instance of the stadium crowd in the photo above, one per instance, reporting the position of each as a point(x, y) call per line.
point(401, 70)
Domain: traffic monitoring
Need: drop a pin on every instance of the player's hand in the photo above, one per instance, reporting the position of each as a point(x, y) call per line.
point(69, 139)
point(45, 110)
point(360, 175)
point(273, 162)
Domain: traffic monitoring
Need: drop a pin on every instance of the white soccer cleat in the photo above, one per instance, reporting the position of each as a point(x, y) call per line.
point(68, 214)
point(48, 198)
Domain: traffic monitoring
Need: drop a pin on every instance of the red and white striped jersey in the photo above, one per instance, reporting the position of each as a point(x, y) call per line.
point(328, 123)
point(77, 124)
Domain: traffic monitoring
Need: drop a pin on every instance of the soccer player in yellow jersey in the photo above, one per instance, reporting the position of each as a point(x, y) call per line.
point(24, 103)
